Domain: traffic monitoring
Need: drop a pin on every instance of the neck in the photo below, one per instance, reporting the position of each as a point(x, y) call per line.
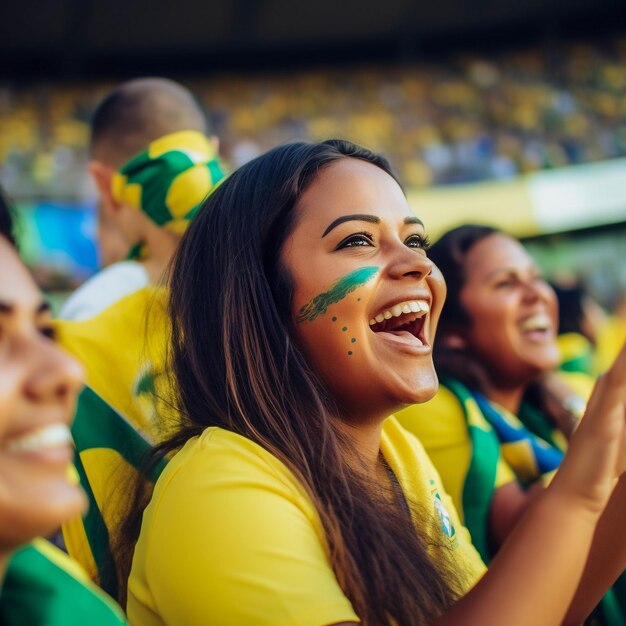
point(509, 398)
point(161, 246)
point(366, 440)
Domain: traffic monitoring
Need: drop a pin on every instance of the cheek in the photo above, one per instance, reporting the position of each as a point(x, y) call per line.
point(10, 386)
point(334, 339)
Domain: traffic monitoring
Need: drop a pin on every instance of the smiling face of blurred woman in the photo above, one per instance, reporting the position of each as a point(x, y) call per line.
point(512, 311)
point(366, 297)
point(38, 387)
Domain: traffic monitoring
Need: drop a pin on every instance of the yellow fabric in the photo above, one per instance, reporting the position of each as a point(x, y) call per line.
point(188, 190)
point(440, 426)
point(60, 559)
point(230, 537)
point(121, 347)
point(189, 141)
point(611, 337)
point(77, 544)
point(571, 345)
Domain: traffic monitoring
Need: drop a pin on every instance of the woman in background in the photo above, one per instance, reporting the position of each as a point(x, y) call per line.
point(38, 387)
point(502, 416)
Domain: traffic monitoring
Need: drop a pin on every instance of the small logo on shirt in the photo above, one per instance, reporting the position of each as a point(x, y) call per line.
point(445, 523)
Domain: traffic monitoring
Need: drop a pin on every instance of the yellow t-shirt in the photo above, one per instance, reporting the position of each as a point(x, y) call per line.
point(231, 538)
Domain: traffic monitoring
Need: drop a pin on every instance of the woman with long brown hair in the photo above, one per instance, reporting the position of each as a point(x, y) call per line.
point(304, 308)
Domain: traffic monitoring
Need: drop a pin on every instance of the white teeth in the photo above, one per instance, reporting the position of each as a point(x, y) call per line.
point(541, 321)
point(47, 437)
point(403, 308)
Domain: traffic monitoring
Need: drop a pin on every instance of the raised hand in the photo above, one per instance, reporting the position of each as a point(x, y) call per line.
point(597, 454)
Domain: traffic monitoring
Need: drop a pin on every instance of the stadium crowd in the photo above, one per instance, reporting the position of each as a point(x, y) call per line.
point(462, 120)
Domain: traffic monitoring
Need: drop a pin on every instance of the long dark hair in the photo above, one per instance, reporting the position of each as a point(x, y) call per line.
point(449, 254)
point(238, 366)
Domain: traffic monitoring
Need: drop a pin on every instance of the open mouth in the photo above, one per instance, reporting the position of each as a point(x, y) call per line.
point(405, 320)
point(538, 326)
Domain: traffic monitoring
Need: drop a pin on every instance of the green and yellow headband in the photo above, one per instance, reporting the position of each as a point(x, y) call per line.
point(169, 180)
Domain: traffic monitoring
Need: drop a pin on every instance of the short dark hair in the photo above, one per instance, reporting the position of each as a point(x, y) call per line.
point(139, 111)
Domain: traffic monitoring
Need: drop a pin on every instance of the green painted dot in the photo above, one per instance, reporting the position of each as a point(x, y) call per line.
point(334, 319)
point(353, 340)
point(344, 329)
point(350, 352)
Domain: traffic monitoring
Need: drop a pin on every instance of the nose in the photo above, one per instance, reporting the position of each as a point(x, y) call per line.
point(53, 375)
point(410, 262)
point(535, 289)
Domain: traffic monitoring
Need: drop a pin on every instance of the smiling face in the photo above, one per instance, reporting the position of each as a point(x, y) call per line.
point(512, 310)
point(38, 387)
point(366, 297)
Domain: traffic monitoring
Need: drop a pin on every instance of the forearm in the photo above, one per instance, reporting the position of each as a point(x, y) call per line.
point(535, 575)
point(607, 557)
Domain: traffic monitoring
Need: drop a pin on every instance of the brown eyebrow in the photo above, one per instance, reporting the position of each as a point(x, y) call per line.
point(8, 309)
point(372, 219)
point(413, 220)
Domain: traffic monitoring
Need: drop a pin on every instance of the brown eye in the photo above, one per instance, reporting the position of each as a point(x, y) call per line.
point(49, 332)
point(418, 241)
point(356, 240)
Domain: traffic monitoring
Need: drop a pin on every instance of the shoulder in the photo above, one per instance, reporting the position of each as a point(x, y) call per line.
point(220, 479)
point(226, 510)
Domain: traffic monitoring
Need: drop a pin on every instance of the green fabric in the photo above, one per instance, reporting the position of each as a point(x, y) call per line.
point(577, 353)
point(39, 592)
point(169, 181)
point(97, 425)
point(481, 475)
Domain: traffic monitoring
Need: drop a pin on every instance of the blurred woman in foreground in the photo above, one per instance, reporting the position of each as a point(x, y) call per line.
point(38, 387)
point(304, 308)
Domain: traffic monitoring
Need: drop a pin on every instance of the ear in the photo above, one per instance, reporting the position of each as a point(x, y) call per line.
point(454, 341)
point(102, 175)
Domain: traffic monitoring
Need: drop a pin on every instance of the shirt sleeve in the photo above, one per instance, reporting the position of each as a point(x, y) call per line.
point(239, 546)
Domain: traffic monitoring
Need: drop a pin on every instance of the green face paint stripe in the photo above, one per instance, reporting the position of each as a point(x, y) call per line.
point(338, 290)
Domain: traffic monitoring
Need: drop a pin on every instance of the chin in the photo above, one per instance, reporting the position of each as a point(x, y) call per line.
point(419, 391)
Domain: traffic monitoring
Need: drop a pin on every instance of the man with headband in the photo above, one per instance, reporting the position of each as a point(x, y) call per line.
point(153, 164)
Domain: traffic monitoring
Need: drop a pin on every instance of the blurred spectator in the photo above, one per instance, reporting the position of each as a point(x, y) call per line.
point(152, 164)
